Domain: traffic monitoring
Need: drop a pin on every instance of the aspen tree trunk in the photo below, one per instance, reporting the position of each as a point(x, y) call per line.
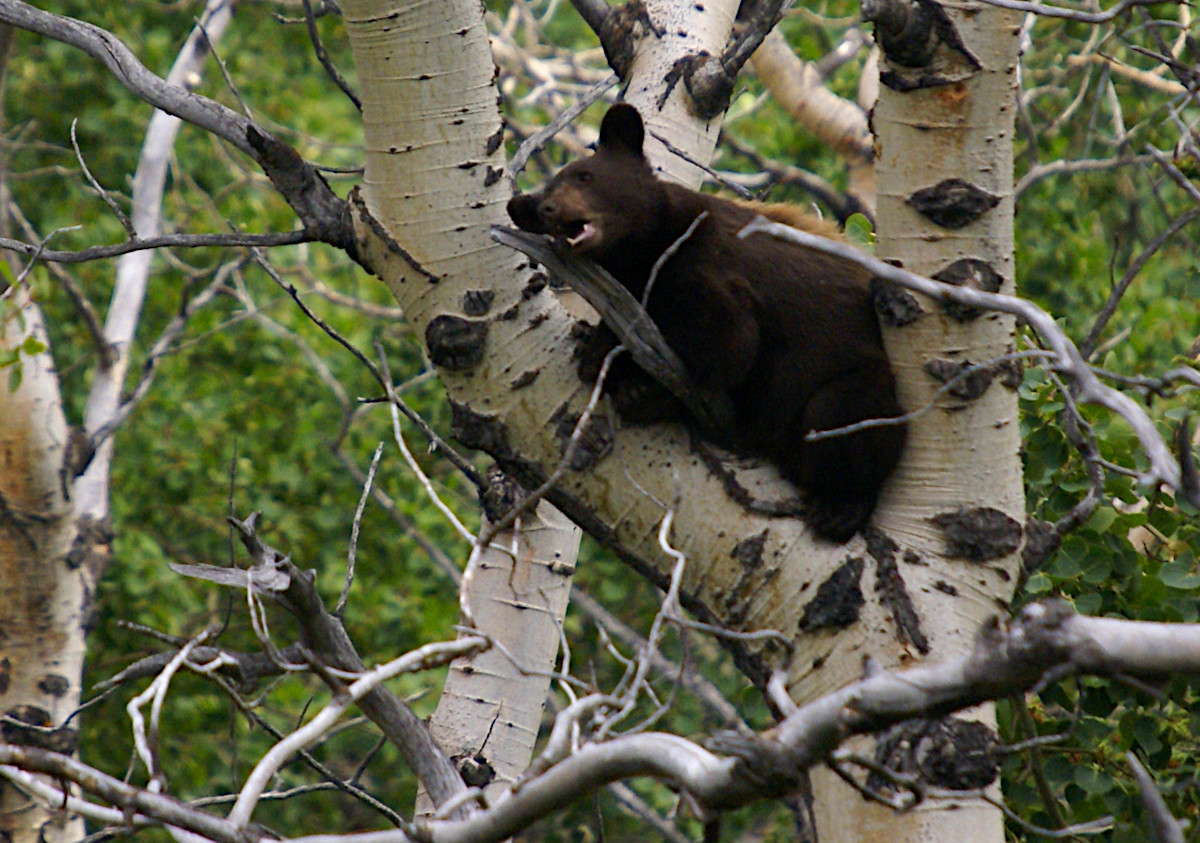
point(433, 157)
point(434, 182)
point(491, 707)
point(42, 588)
point(957, 507)
point(688, 29)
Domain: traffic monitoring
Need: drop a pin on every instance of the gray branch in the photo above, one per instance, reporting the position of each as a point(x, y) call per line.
point(275, 576)
point(1046, 641)
point(1164, 467)
point(628, 320)
point(322, 212)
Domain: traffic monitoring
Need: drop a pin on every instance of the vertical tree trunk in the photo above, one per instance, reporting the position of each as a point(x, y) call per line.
point(491, 706)
point(957, 505)
point(434, 157)
point(42, 589)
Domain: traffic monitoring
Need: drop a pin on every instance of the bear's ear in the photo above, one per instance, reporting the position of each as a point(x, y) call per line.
point(621, 130)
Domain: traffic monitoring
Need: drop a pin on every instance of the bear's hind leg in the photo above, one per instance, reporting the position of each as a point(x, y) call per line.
point(841, 475)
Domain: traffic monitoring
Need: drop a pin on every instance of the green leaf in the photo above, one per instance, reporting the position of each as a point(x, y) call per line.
point(1093, 781)
point(860, 232)
point(1180, 573)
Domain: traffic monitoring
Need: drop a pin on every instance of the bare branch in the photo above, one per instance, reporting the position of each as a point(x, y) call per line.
point(1062, 165)
point(125, 67)
point(354, 527)
point(320, 210)
point(83, 305)
point(182, 241)
point(1131, 272)
point(1163, 466)
point(164, 809)
point(539, 139)
point(326, 639)
point(1047, 640)
point(423, 658)
point(593, 12)
point(310, 22)
point(103, 194)
point(1035, 8)
point(1164, 828)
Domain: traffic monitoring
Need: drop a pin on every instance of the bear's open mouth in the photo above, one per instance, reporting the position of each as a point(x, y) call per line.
point(578, 232)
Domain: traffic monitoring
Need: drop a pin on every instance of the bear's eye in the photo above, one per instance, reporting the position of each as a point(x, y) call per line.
point(583, 177)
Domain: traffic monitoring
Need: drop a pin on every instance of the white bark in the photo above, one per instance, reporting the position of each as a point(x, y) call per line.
point(964, 454)
point(42, 595)
point(687, 29)
point(429, 109)
point(492, 702)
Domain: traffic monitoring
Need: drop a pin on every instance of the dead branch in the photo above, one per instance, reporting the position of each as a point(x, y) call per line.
point(1046, 641)
point(166, 241)
point(275, 576)
point(324, 214)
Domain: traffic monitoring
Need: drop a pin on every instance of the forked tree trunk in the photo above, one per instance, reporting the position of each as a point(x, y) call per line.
point(434, 182)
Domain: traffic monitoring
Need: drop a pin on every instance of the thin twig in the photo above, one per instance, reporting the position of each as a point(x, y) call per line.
point(168, 241)
point(358, 513)
point(314, 36)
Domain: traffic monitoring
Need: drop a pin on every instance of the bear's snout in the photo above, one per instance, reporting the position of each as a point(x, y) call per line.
point(523, 211)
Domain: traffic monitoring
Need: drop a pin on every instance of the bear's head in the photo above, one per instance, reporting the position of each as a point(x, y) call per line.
point(604, 204)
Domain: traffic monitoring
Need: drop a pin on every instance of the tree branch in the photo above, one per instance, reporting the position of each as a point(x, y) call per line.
point(324, 635)
point(323, 213)
point(1164, 467)
point(1044, 642)
point(169, 241)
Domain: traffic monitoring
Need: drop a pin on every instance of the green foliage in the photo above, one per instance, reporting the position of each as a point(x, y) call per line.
point(239, 420)
point(1134, 556)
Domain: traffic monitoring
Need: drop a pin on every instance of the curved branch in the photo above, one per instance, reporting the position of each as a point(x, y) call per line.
point(1046, 641)
point(124, 65)
point(1163, 465)
point(322, 212)
point(129, 798)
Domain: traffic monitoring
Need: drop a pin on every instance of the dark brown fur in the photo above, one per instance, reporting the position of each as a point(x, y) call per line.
point(788, 332)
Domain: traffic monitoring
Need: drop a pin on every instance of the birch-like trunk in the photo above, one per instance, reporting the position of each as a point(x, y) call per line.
point(492, 703)
point(433, 159)
point(434, 183)
point(42, 588)
point(962, 468)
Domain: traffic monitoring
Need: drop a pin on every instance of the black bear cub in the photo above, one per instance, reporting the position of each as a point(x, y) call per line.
point(788, 332)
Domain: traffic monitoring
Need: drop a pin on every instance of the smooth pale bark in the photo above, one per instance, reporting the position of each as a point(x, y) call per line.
point(42, 591)
point(492, 703)
point(433, 158)
point(433, 183)
point(689, 29)
point(965, 454)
